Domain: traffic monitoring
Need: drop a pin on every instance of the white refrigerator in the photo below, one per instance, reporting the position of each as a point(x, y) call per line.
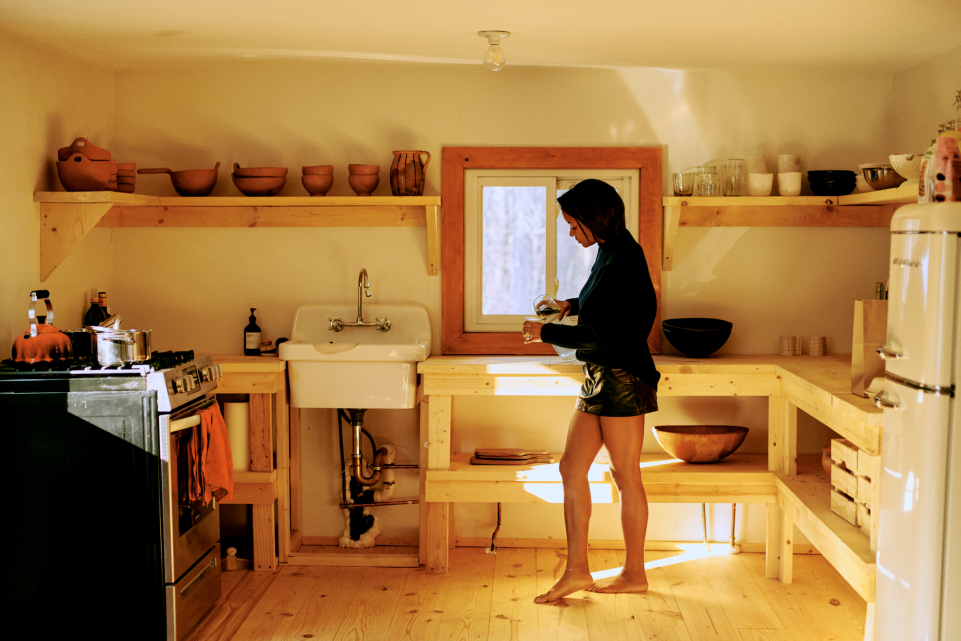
point(919, 538)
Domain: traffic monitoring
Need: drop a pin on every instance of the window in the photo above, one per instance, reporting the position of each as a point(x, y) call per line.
point(517, 246)
point(515, 190)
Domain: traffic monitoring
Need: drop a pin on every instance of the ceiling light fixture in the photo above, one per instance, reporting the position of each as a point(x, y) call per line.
point(494, 57)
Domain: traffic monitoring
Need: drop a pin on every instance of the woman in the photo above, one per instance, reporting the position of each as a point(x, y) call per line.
point(616, 310)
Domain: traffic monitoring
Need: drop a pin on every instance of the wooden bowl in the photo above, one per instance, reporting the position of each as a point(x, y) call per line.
point(700, 443)
point(259, 185)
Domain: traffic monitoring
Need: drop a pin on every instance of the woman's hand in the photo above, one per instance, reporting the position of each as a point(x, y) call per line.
point(532, 332)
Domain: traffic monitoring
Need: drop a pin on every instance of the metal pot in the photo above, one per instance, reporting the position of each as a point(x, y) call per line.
point(121, 347)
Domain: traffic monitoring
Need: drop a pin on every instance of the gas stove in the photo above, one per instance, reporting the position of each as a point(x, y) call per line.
point(178, 377)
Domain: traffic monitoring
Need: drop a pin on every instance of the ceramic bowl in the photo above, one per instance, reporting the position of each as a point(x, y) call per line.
point(700, 443)
point(79, 173)
point(317, 184)
point(318, 169)
point(908, 166)
point(259, 185)
point(259, 172)
point(363, 184)
point(85, 147)
point(358, 170)
point(697, 337)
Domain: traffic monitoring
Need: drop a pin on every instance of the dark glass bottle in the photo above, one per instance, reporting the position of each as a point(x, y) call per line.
point(252, 336)
point(103, 305)
point(95, 315)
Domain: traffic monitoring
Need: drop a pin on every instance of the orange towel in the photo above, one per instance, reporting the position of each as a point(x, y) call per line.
point(217, 468)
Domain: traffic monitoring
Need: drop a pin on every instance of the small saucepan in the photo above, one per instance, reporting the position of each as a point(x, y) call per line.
point(189, 182)
point(117, 346)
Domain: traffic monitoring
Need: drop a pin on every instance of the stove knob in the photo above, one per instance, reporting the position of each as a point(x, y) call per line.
point(180, 385)
point(206, 375)
point(191, 383)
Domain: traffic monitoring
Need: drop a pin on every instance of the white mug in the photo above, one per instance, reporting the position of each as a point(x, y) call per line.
point(789, 183)
point(759, 184)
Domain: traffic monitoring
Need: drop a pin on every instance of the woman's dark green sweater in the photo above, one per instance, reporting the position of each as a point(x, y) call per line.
point(615, 312)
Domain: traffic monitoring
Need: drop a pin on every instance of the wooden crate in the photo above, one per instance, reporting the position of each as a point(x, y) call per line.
point(866, 465)
point(845, 506)
point(865, 491)
point(864, 518)
point(844, 454)
point(844, 482)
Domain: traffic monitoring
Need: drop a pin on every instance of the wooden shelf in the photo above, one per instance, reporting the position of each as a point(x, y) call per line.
point(904, 194)
point(66, 217)
point(775, 211)
point(740, 478)
point(806, 498)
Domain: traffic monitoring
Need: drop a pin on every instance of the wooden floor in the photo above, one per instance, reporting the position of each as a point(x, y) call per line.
point(489, 597)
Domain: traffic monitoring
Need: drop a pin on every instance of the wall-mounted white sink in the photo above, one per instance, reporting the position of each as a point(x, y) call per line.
point(357, 367)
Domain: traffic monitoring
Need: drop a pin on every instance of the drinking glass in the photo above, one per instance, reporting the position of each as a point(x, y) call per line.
point(732, 185)
point(546, 308)
point(684, 183)
point(710, 185)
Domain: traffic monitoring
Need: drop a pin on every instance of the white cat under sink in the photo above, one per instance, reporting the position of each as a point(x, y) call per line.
point(356, 367)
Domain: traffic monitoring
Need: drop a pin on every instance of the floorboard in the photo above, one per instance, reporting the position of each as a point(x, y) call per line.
point(489, 597)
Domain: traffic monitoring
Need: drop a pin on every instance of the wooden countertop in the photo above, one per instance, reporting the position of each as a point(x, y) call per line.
point(818, 385)
point(241, 363)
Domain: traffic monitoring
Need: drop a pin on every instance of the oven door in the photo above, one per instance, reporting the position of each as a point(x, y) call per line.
point(190, 530)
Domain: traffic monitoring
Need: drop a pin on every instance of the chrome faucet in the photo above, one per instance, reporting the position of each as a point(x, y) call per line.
point(363, 287)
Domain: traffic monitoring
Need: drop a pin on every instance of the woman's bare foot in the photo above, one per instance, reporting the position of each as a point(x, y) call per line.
point(619, 584)
point(574, 580)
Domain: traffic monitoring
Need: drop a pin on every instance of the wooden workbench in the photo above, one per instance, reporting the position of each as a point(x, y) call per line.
point(264, 378)
point(795, 491)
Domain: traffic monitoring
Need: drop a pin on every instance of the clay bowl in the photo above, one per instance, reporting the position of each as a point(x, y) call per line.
point(259, 185)
point(363, 170)
point(318, 170)
point(126, 180)
point(126, 166)
point(700, 443)
point(79, 173)
point(84, 146)
point(259, 172)
point(127, 189)
point(317, 184)
point(363, 184)
point(697, 337)
point(189, 182)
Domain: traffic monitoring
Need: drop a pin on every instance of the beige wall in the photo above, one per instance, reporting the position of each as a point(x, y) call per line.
point(46, 101)
point(767, 281)
point(193, 286)
point(923, 99)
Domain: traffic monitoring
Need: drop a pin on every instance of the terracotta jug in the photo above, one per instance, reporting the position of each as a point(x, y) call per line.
point(407, 173)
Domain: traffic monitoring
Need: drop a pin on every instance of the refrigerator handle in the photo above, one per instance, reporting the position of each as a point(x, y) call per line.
point(884, 403)
point(887, 354)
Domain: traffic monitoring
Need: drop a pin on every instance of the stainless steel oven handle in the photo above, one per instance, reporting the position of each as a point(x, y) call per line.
point(187, 417)
point(886, 353)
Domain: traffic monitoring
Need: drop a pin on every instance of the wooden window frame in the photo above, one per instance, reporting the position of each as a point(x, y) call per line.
point(456, 160)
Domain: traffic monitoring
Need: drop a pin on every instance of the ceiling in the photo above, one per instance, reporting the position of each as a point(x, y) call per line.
point(885, 36)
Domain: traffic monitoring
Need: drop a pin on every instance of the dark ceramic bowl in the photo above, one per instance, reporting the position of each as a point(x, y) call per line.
point(700, 443)
point(697, 337)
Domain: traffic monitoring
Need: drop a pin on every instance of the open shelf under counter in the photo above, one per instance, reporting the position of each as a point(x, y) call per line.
point(66, 217)
point(740, 478)
point(806, 500)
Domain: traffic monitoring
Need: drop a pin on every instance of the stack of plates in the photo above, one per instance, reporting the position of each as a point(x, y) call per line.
point(832, 182)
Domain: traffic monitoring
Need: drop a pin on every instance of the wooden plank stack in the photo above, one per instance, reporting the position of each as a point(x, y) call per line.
point(854, 484)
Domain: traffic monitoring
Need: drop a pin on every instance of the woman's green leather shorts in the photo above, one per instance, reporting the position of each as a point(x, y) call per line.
point(609, 391)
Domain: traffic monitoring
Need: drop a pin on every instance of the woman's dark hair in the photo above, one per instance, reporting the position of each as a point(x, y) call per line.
point(595, 205)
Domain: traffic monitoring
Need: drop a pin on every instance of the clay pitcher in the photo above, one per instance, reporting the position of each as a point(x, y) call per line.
point(407, 173)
